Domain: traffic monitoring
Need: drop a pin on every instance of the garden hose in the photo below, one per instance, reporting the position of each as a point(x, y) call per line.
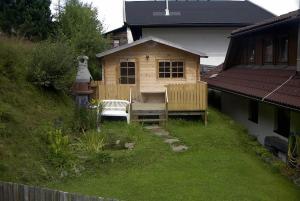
point(294, 150)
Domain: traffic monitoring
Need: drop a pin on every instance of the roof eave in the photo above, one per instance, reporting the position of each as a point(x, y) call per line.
point(192, 25)
point(144, 40)
point(253, 97)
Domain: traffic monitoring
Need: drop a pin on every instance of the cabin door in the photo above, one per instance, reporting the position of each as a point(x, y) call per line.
point(127, 72)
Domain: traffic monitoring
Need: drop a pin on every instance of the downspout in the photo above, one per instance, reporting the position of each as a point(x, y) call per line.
point(298, 49)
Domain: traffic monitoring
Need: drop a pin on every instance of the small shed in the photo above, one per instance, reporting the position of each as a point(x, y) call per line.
point(152, 70)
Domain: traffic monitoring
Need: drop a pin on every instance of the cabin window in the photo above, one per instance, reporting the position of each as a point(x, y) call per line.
point(127, 72)
point(253, 111)
point(251, 51)
point(171, 69)
point(116, 43)
point(283, 44)
point(268, 51)
point(282, 122)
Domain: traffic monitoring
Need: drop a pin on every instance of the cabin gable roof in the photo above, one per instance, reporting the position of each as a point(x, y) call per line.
point(147, 39)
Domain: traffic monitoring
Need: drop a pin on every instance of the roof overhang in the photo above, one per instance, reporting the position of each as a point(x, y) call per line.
point(147, 39)
point(192, 25)
point(266, 24)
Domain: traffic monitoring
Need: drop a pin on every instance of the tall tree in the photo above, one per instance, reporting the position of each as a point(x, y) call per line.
point(79, 25)
point(26, 18)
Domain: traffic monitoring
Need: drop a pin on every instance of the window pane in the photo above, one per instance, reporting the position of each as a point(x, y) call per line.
point(283, 49)
point(123, 64)
point(161, 75)
point(131, 64)
point(282, 122)
point(174, 69)
point(131, 80)
point(167, 69)
point(180, 75)
point(123, 80)
point(161, 69)
point(180, 69)
point(253, 111)
point(161, 64)
point(167, 74)
point(180, 64)
point(174, 75)
point(131, 71)
point(251, 51)
point(268, 51)
point(123, 71)
point(167, 64)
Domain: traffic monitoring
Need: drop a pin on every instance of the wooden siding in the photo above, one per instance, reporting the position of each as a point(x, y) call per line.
point(146, 57)
point(113, 91)
point(187, 97)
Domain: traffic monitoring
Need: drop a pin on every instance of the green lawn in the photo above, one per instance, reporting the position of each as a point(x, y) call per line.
point(218, 166)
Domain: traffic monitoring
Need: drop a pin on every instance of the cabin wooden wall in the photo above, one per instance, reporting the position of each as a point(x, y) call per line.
point(146, 57)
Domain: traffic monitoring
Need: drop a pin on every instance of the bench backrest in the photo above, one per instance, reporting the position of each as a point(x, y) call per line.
point(115, 105)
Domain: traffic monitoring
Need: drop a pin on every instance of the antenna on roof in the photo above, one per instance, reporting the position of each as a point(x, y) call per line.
point(167, 8)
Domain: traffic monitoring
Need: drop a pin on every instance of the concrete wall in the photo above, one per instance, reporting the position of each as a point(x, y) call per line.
point(237, 108)
point(212, 41)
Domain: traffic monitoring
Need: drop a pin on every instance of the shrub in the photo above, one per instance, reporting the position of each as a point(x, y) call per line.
point(84, 119)
point(92, 142)
point(52, 66)
point(59, 150)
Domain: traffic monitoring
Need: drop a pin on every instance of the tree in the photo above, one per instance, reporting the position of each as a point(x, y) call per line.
point(26, 18)
point(80, 27)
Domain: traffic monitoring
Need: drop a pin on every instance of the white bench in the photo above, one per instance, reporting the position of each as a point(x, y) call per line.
point(115, 108)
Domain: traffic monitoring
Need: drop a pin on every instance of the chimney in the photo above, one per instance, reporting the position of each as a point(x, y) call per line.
point(81, 87)
point(167, 8)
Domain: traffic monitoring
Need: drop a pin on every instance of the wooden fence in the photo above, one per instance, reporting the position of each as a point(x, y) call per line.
point(113, 91)
point(18, 192)
point(187, 97)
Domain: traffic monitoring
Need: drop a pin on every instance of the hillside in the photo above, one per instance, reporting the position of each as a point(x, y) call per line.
point(26, 115)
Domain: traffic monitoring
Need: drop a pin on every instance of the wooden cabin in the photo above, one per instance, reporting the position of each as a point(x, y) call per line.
point(154, 75)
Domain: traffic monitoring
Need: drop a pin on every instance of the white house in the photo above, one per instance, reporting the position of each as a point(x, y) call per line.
point(199, 25)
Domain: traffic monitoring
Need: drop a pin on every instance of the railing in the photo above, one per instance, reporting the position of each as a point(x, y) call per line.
point(113, 91)
point(167, 104)
point(19, 192)
point(187, 97)
point(130, 105)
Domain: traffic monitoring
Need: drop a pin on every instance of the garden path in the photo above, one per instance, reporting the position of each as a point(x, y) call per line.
point(174, 142)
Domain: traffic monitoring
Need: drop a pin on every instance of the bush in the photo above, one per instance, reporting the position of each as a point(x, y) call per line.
point(84, 119)
point(92, 142)
point(59, 150)
point(52, 66)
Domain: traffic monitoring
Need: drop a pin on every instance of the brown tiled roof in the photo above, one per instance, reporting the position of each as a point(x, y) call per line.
point(261, 84)
point(282, 18)
point(215, 70)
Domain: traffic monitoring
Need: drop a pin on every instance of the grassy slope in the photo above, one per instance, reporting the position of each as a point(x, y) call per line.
point(25, 113)
point(218, 166)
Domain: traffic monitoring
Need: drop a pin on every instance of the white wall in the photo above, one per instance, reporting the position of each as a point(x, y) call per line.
point(212, 41)
point(237, 108)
